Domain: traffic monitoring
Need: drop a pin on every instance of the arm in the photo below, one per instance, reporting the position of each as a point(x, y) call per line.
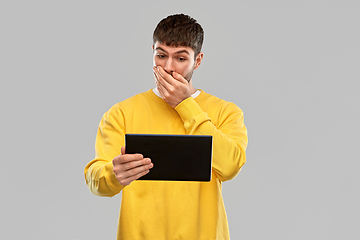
point(229, 136)
point(99, 176)
point(112, 170)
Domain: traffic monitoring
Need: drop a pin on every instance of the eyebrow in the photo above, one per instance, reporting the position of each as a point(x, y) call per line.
point(178, 52)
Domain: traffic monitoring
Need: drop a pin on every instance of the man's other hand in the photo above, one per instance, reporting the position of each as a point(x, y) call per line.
point(172, 88)
point(129, 167)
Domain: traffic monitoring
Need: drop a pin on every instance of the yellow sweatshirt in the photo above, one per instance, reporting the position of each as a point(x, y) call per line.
point(163, 210)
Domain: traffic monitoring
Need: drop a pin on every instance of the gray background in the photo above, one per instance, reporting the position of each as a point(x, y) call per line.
point(292, 66)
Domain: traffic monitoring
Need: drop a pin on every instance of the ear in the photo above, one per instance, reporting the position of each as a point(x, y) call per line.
point(198, 60)
point(152, 46)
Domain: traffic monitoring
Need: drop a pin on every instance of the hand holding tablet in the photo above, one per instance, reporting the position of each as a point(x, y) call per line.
point(129, 167)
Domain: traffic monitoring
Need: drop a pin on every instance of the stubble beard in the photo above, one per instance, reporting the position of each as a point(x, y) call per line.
point(189, 75)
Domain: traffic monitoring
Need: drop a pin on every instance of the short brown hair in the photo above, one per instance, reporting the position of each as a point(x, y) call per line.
point(179, 30)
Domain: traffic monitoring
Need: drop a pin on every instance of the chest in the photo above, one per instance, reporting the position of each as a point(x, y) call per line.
point(154, 120)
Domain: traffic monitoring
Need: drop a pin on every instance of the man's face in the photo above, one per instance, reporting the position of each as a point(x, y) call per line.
point(176, 59)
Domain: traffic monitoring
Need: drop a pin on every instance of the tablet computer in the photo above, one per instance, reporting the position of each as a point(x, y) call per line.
point(175, 157)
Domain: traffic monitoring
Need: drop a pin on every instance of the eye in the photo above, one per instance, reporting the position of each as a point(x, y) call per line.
point(181, 59)
point(160, 56)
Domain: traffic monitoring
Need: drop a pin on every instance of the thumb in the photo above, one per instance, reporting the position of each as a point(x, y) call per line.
point(123, 151)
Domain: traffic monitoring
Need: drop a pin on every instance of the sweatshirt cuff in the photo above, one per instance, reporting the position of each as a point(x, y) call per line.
point(188, 109)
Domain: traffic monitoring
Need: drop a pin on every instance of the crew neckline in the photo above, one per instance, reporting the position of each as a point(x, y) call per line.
point(159, 100)
point(197, 93)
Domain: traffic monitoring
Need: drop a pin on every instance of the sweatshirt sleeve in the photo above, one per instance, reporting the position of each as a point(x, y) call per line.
point(229, 135)
point(99, 175)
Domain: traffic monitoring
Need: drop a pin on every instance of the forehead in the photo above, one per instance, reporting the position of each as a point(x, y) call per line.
point(172, 49)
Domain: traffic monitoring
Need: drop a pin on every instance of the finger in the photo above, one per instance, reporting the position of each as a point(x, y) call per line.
point(161, 74)
point(165, 75)
point(174, 81)
point(161, 89)
point(131, 157)
point(164, 87)
point(120, 159)
point(157, 76)
point(134, 164)
point(134, 171)
point(165, 79)
point(170, 78)
point(180, 78)
point(123, 151)
point(128, 180)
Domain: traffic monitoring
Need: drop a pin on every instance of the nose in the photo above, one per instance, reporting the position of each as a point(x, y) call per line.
point(169, 66)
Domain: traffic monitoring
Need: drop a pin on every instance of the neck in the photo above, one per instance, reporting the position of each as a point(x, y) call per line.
point(192, 89)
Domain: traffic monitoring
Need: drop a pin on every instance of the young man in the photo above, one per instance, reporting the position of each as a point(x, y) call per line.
point(169, 209)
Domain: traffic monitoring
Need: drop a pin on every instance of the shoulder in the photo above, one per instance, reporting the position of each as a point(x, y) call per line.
point(212, 101)
point(129, 104)
point(134, 100)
